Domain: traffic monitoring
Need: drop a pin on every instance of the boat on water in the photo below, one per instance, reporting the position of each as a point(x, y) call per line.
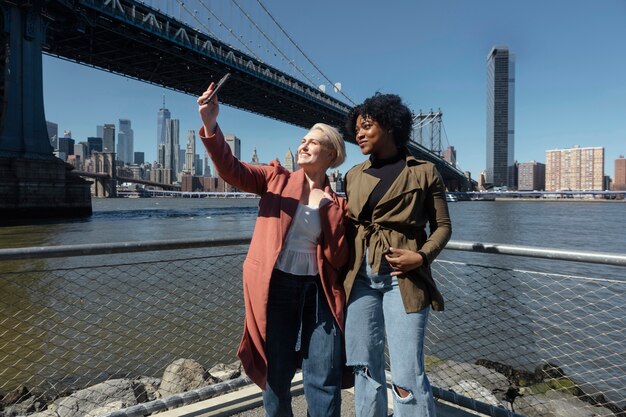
point(451, 197)
point(477, 197)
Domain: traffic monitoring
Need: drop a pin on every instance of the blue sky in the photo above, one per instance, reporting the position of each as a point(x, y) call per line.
point(570, 74)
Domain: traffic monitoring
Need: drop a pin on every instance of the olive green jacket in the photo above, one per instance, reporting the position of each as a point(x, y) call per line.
point(399, 220)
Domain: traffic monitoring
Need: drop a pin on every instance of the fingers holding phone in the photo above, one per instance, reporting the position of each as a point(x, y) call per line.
point(208, 105)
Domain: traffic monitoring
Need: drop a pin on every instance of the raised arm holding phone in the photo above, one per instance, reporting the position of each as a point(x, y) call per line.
point(293, 294)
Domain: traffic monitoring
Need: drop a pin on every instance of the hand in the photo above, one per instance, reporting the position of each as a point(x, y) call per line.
point(403, 260)
point(208, 112)
point(318, 197)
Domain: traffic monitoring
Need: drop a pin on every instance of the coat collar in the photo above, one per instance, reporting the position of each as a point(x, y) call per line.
point(364, 184)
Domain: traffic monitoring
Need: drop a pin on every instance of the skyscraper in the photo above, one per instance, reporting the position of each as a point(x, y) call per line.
point(172, 147)
point(125, 145)
point(162, 118)
point(108, 138)
point(190, 153)
point(93, 145)
point(500, 117)
point(235, 144)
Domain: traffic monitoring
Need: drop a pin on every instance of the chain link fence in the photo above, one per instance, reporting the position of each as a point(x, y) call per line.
point(91, 329)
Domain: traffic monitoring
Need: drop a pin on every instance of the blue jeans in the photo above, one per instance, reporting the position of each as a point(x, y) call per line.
point(375, 309)
point(301, 332)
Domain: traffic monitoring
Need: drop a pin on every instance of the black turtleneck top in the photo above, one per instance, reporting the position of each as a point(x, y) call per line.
point(387, 170)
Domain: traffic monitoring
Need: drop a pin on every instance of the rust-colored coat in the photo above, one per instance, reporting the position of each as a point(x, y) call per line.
point(280, 192)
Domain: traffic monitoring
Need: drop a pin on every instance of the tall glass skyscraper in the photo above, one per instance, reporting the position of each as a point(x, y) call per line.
point(108, 138)
point(172, 147)
point(162, 118)
point(125, 142)
point(501, 117)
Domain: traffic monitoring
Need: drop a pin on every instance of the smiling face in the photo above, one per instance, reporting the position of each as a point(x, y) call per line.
point(373, 139)
point(315, 151)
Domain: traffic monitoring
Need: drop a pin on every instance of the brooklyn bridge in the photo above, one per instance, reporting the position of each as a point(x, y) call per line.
point(139, 41)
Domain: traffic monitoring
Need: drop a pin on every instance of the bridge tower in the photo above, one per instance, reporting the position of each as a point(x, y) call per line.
point(33, 182)
point(107, 185)
point(431, 123)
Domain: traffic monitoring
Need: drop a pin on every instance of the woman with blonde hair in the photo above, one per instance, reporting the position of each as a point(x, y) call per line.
point(294, 297)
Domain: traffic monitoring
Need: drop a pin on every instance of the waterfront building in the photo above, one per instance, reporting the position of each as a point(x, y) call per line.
point(531, 176)
point(53, 134)
point(125, 142)
point(575, 169)
point(190, 153)
point(500, 117)
point(619, 179)
point(139, 157)
point(108, 138)
point(449, 155)
point(290, 161)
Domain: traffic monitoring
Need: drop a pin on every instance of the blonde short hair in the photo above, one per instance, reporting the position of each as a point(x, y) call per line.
point(335, 139)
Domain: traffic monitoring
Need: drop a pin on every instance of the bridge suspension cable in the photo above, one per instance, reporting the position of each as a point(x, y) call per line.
point(232, 34)
point(300, 49)
point(210, 32)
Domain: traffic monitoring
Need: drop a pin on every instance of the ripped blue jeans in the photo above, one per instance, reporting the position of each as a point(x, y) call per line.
point(375, 310)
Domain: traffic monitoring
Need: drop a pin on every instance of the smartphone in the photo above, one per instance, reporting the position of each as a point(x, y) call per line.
point(219, 85)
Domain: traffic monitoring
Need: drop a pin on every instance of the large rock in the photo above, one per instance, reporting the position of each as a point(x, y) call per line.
point(86, 400)
point(146, 389)
point(106, 409)
point(224, 372)
point(556, 404)
point(446, 374)
point(184, 375)
point(472, 389)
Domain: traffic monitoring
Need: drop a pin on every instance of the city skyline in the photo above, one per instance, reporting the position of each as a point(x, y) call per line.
point(567, 76)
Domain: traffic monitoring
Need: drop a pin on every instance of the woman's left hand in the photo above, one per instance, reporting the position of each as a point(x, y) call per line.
point(403, 260)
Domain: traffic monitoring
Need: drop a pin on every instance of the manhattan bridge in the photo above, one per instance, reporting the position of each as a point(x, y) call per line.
point(182, 46)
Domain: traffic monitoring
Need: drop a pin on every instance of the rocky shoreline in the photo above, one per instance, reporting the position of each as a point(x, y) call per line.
point(546, 392)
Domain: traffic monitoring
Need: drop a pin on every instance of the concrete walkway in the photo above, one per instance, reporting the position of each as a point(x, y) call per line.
point(247, 402)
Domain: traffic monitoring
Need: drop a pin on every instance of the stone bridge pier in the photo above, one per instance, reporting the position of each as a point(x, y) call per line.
point(33, 182)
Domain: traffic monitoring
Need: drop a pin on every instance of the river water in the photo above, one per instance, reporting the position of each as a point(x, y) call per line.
point(581, 226)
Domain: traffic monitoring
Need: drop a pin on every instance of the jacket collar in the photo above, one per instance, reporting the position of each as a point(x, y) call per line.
point(364, 184)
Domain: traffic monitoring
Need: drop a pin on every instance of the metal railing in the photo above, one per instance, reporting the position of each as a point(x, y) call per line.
point(89, 329)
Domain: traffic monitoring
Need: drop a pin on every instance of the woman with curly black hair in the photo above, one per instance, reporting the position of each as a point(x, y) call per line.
point(389, 286)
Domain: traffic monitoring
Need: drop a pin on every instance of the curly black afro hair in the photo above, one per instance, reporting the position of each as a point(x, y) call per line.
point(390, 113)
